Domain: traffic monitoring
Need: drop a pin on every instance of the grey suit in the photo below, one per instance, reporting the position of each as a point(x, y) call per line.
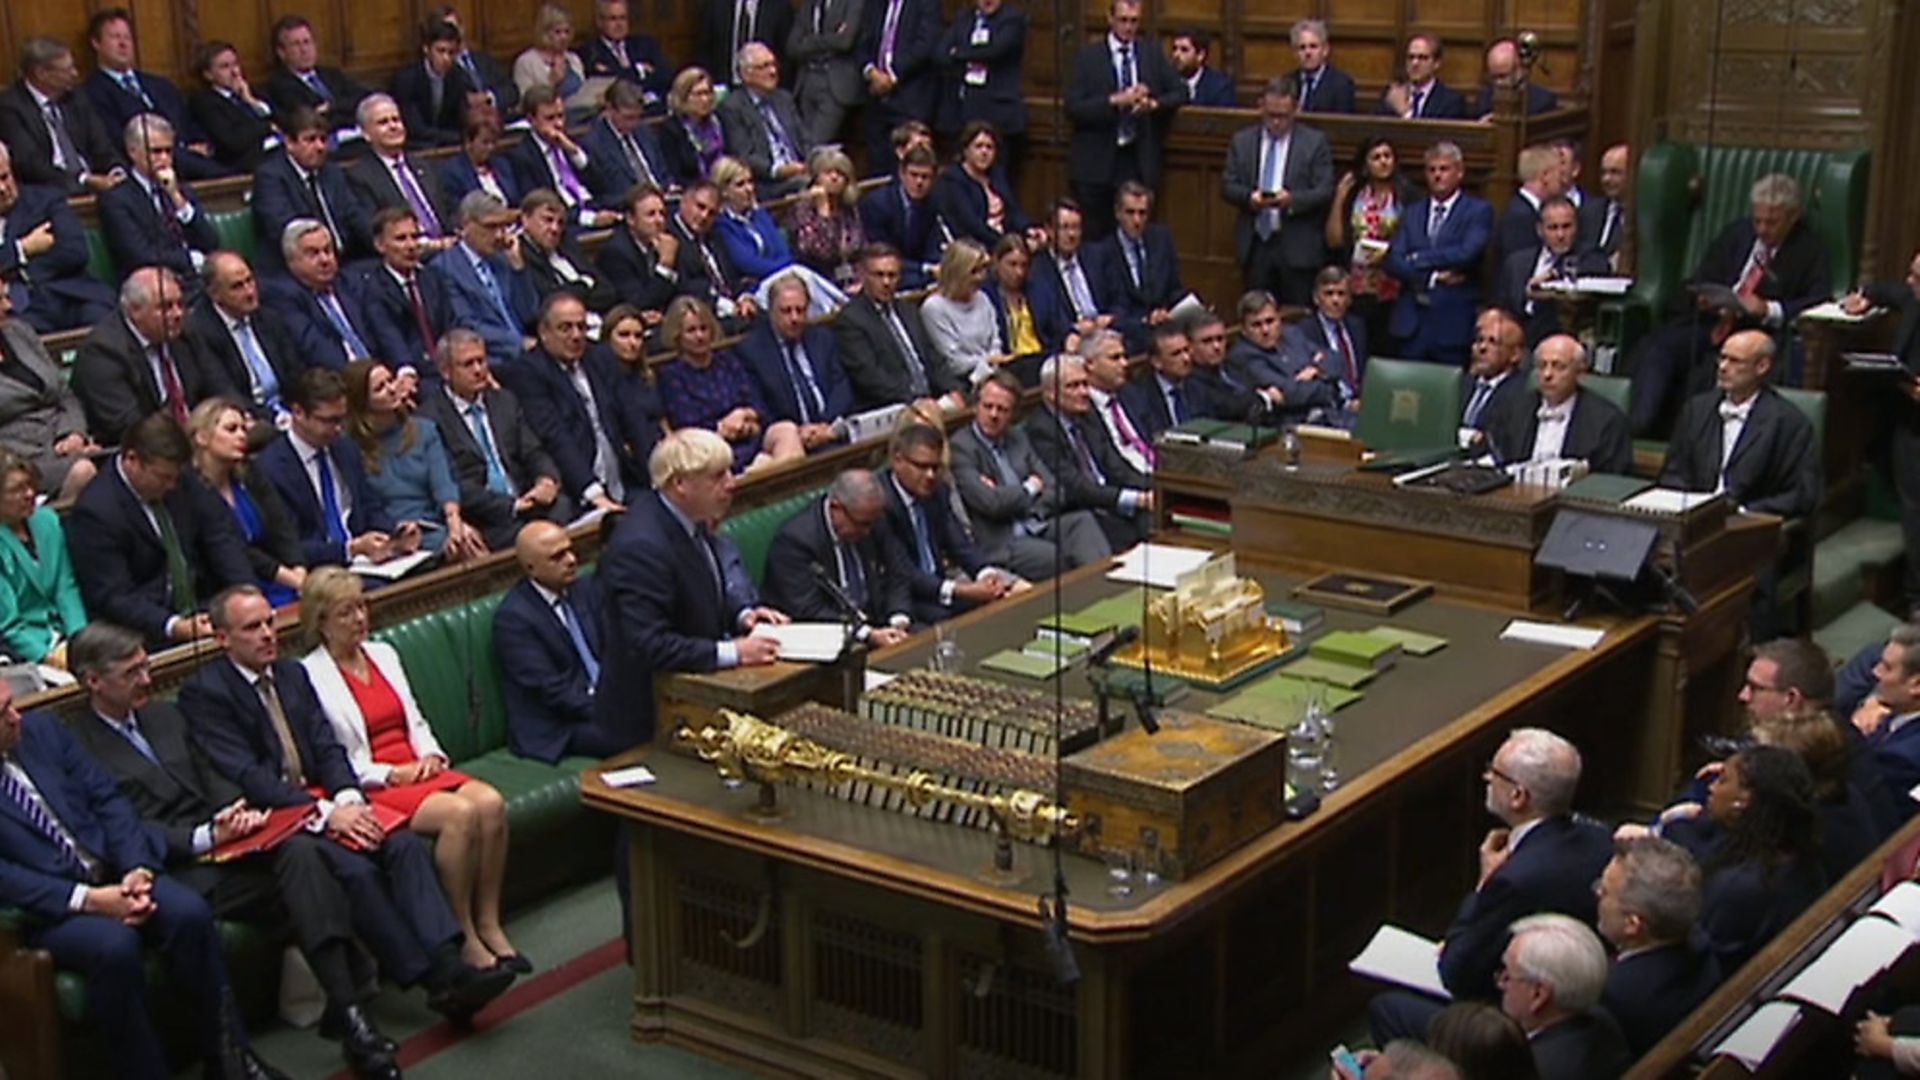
point(750, 140)
point(1033, 535)
point(1285, 262)
point(33, 419)
point(828, 63)
point(522, 456)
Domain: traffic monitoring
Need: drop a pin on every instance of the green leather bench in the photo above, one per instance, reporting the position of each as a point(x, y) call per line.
point(753, 530)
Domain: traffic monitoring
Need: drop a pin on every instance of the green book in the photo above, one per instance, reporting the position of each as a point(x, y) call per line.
point(1291, 688)
point(1021, 663)
point(1122, 610)
point(1075, 624)
point(1197, 523)
point(1066, 650)
point(1413, 642)
point(1356, 648)
point(1279, 703)
point(1297, 617)
point(1330, 671)
point(1243, 437)
point(1605, 488)
point(1123, 682)
point(1195, 431)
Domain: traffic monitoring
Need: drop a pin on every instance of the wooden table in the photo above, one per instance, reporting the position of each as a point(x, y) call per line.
point(844, 940)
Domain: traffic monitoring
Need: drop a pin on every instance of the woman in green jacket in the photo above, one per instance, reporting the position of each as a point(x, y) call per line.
point(40, 604)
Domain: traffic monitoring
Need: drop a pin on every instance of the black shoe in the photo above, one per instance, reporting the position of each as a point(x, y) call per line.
point(468, 991)
point(353, 1028)
point(514, 962)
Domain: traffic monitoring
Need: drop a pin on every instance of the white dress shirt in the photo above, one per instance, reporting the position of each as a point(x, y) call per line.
point(1551, 436)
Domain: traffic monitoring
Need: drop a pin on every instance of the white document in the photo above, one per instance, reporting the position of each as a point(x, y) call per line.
point(53, 676)
point(1753, 1042)
point(393, 569)
point(1158, 565)
point(1187, 307)
point(1901, 904)
point(1554, 634)
point(591, 517)
point(1667, 500)
point(1404, 957)
point(1864, 950)
point(877, 679)
point(1597, 285)
point(812, 642)
point(1831, 311)
point(874, 423)
point(631, 776)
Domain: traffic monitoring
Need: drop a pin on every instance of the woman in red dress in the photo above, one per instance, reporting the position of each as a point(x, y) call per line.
point(363, 687)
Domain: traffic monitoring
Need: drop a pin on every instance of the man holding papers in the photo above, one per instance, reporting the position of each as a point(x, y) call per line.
point(1540, 859)
point(1904, 395)
point(163, 771)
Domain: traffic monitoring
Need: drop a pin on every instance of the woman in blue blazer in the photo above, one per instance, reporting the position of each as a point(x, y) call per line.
point(40, 605)
point(757, 247)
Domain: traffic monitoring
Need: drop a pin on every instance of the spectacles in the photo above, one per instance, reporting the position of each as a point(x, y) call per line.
point(1756, 688)
point(1495, 773)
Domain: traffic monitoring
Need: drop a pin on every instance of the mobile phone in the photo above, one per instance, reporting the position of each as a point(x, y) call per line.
point(1344, 1061)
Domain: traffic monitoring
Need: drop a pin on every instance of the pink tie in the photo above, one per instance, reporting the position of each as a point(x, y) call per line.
point(1126, 432)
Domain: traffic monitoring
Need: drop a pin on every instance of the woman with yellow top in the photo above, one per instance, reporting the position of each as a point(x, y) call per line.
point(1032, 327)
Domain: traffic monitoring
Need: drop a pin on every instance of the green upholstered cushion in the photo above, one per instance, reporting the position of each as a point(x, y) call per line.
point(1409, 405)
point(1615, 388)
point(1813, 404)
point(235, 228)
point(555, 840)
point(753, 530)
point(100, 258)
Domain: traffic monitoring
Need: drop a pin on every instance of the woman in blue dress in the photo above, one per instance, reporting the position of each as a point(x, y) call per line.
point(757, 247)
point(40, 606)
point(710, 388)
point(407, 462)
point(219, 428)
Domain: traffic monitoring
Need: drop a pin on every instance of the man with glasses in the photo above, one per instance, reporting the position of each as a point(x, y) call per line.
point(830, 563)
point(1649, 900)
point(1551, 978)
point(323, 482)
point(946, 573)
point(1541, 858)
point(763, 125)
point(1421, 95)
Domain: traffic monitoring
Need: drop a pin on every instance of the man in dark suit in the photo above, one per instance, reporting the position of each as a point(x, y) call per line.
point(404, 302)
point(435, 94)
point(641, 259)
point(1286, 360)
point(150, 542)
point(119, 92)
point(52, 131)
point(548, 157)
point(1603, 217)
point(1648, 902)
point(1543, 175)
point(1168, 396)
point(725, 28)
point(1540, 859)
point(570, 399)
point(832, 554)
point(1141, 265)
point(625, 151)
point(1114, 97)
point(1321, 86)
point(486, 278)
point(263, 728)
point(236, 123)
point(1421, 95)
point(1105, 354)
point(796, 368)
point(302, 82)
point(1208, 87)
point(153, 219)
point(763, 125)
point(485, 74)
point(1071, 275)
point(1023, 518)
point(1775, 265)
point(902, 215)
point(136, 361)
point(321, 479)
point(299, 182)
point(632, 58)
point(1505, 68)
point(505, 474)
point(1066, 436)
point(390, 178)
point(899, 59)
point(1279, 176)
point(1903, 398)
point(553, 261)
point(41, 420)
point(668, 604)
point(320, 304)
point(824, 52)
point(548, 635)
point(163, 770)
point(701, 262)
point(1329, 347)
point(247, 342)
point(883, 346)
point(1493, 376)
point(1552, 256)
point(77, 858)
point(43, 257)
point(945, 572)
point(1553, 977)
point(1889, 725)
point(1437, 253)
point(1559, 420)
point(1235, 394)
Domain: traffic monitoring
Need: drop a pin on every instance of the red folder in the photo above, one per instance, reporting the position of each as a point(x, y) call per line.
point(281, 824)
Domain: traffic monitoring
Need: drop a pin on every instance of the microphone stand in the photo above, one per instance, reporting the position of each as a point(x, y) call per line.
point(1097, 667)
point(851, 616)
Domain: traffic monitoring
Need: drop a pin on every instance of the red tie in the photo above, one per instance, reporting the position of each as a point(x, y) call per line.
point(170, 385)
point(420, 317)
point(1749, 286)
point(1353, 359)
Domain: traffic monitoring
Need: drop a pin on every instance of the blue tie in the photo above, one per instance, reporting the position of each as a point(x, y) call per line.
point(1175, 406)
point(921, 539)
point(337, 315)
point(330, 501)
point(497, 481)
point(37, 815)
point(805, 391)
point(266, 385)
point(856, 575)
point(571, 621)
point(493, 289)
point(139, 742)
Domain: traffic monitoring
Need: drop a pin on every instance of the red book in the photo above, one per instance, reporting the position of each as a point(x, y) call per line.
point(281, 824)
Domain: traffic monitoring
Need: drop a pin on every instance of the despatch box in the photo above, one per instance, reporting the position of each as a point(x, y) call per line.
point(1179, 800)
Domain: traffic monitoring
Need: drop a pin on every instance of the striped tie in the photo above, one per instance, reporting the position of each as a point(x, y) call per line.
point(37, 816)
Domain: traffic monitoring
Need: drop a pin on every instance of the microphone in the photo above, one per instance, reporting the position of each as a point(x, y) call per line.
point(848, 609)
point(1527, 43)
point(1121, 638)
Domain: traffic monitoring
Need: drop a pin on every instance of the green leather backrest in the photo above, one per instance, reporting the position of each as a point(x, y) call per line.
point(1813, 404)
point(1672, 232)
point(1409, 405)
point(1615, 388)
point(235, 228)
point(753, 530)
point(450, 663)
point(100, 258)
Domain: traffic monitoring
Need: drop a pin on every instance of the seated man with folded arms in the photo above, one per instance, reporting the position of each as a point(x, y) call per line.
point(833, 562)
point(1067, 436)
point(1231, 387)
point(1649, 900)
point(1559, 420)
point(1329, 347)
point(1284, 365)
point(43, 257)
point(547, 634)
point(946, 573)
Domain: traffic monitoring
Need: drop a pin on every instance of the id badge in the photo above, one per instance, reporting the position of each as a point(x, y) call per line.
point(976, 75)
point(981, 36)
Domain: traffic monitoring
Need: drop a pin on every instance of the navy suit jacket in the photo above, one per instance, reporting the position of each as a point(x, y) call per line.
point(884, 218)
point(1046, 430)
point(916, 54)
point(121, 564)
point(138, 236)
point(1096, 122)
point(962, 204)
point(1588, 1046)
point(614, 175)
point(533, 169)
point(766, 358)
point(1898, 756)
point(1161, 288)
point(114, 106)
point(23, 127)
point(1650, 992)
point(238, 134)
point(230, 720)
point(1775, 467)
point(642, 51)
point(1147, 406)
point(1516, 273)
point(1596, 433)
point(412, 90)
point(634, 271)
point(281, 463)
point(953, 547)
point(1447, 315)
point(1799, 276)
point(804, 542)
point(556, 413)
point(285, 93)
point(390, 319)
point(1002, 100)
point(1539, 100)
point(875, 364)
point(279, 196)
point(713, 42)
point(1443, 103)
point(1046, 278)
point(1308, 336)
point(1552, 870)
point(549, 699)
point(61, 270)
point(34, 873)
point(1214, 91)
point(664, 611)
point(457, 178)
point(475, 309)
point(319, 343)
point(1334, 93)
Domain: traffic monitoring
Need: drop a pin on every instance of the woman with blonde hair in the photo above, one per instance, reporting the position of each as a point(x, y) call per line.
point(40, 605)
point(827, 233)
point(691, 136)
point(757, 247)
point(219, 429)
point(363, 688)
point(959, 317)
point(550, 61)
point(708, 387)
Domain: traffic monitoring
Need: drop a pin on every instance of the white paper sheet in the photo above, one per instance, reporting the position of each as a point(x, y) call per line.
point(1752, 1042)
point(1901, 904)
point(1158, 565)
point(1554, 634)
point(1862, 951)
point(1831, 311)
point(631, 776)
point(1667, 500)
point(877, 679)
point(814, 642)
point(391, 570)
point(1597, 285)
point(1403, 957)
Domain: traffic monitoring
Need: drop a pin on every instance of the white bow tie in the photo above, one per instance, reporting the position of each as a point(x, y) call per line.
point(1555, 412)
point(1730, 411)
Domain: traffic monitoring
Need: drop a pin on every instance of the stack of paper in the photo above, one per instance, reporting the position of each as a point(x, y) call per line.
point(1315, 668)
point(1404, 957)
point(1901, 904)
point(1867, 948)
point(1753, 1042)
point(1554, 634)
point(812, 642)
point(1158, 565)
point(393, 569)
point(1831, 311)
point(1667, 501)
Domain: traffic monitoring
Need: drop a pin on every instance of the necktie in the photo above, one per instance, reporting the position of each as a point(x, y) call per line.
point(1352, 357)
point(1436, 220)
point(1087, 463)
point(168, 222)
point(318, 85)
point(805, 391)
point(1137, 262)
point(1482, 390)
point(416, 198)
point(889, 29)
point(1176, 404)
point(172, 394)
point(420, 320)
point(131, 84)
point(852, 574)
point(326, 212)
point(605, 459)
point(620, 53)
point(277, 716)
point(719, 279)
point(1083, 304)
point(922, 537)
point(704, 540)
point(637, 161)
point(466, 61)
point(40, 818)
point(565, 178)
point(819, 10)
point(1269, 220)
point(330, 500)
point(266, 385)
point(1756, 272)
point(66, 154)
point(1612, 223)
point(492, 285)
point(742, 25)
point(783, 148)
point(350, 339)
point(438, 95)
point(179, 574)
point(1419, 101)
point(1128, 435)
point(139, 742)
point(497, 481)
point(916, 367)
point(1129, 127)
point(1313, 83)
point(588, 661)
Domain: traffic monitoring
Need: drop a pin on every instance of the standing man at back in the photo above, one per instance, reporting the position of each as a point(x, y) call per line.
point(1279, 175)
point(1119, 86)
point(1436, 254)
